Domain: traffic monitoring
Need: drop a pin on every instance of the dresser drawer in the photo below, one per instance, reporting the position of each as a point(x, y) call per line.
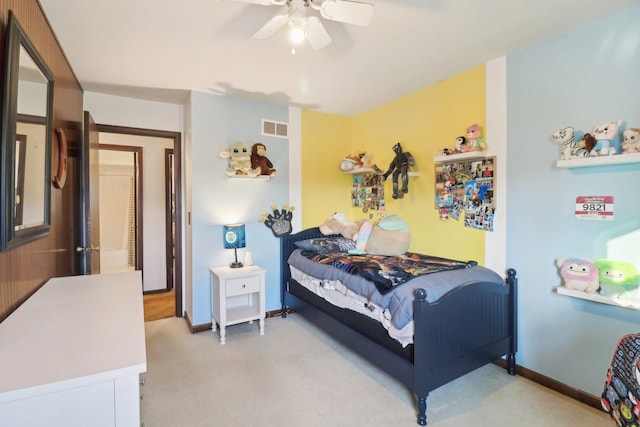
point(243, 285)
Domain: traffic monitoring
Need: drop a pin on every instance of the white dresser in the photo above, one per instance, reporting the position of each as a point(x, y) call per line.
point(71, 355)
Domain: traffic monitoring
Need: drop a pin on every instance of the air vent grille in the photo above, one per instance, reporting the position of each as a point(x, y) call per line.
point(278, 129)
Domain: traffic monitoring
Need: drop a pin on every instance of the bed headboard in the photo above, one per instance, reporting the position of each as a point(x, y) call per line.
point(287, 245)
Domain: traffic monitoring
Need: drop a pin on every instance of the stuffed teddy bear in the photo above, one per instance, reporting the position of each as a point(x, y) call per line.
point(631, 141)
point(616, 276)
point(339, 224)
point(390, 237)
point(259, 160)
point(474, 139)
point(239, 160)
point(579, 274)
point(607, 138)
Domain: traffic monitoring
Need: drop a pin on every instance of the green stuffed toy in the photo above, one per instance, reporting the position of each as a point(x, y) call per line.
point(616, 276)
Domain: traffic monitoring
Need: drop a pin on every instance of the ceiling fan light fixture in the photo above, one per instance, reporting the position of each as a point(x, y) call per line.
point(297, 34)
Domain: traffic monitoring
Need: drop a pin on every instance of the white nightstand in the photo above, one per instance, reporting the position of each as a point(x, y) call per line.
point(237, 296)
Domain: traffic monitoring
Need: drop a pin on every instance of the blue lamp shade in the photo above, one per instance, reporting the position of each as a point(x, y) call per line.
point(233, 237)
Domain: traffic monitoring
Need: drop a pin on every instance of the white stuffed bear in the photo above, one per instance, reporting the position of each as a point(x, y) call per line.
point(607, 138)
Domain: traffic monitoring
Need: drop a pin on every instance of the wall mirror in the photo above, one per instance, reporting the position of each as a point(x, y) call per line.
point(25, 153)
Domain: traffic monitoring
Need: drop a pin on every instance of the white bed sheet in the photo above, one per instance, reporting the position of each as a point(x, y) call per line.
point(337, 294)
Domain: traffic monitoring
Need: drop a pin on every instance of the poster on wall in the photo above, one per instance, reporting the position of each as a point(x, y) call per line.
point(368, 192)
point(467, 186)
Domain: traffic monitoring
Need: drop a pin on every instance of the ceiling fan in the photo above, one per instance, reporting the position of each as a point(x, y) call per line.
point(303, 26)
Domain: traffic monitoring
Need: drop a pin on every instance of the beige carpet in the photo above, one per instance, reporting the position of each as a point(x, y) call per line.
point(296, 376)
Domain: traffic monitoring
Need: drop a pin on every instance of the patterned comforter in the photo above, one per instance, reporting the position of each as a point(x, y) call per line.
point(387, 272)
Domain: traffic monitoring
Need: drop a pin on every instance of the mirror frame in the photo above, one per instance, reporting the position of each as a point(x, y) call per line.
point(9, 236)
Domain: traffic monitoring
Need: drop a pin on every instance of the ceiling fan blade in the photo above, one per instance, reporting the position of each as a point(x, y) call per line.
point(317, 35)
point(262, 2)
point(347, 11)
point(273, 25)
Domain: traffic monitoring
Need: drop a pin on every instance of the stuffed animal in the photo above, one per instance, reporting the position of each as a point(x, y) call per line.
point(239, 160)
point(616, 276)
point(400, 168)
point(569, 147)
point(339, 224)
point(474, 139)
point(259, 160)
point(607, 138)
point(389, 237)
point(350, 162)
point(631, 141)
point(579, 274)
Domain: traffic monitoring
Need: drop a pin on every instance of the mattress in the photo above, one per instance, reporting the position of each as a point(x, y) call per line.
point(339, 295)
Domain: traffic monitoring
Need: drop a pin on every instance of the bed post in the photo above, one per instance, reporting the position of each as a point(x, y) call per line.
point(420, 370)
point(512, 281)
point(284, 272)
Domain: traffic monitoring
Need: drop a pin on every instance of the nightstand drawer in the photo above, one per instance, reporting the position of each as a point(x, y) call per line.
point(243, 285)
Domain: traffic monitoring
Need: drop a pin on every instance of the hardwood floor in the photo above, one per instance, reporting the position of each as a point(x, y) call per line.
point(159, 306)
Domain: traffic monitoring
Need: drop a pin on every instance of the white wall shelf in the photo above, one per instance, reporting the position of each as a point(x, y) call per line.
point(362, 171)
point(462, 156)
point(630, 300)
point(251, 178)
point(616, 159)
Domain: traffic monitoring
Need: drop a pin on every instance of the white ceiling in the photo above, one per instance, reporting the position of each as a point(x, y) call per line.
point(161, 49)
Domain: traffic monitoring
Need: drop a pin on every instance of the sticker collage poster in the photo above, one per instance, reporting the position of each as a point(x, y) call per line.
point(467, 187)
point(367, 192)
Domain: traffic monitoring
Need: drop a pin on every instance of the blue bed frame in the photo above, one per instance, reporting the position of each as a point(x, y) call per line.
point(472, 325)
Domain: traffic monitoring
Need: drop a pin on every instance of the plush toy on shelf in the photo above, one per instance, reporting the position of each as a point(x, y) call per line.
point(607, 138)
point(579, 274)
point(259, 160)
point(239, 160)
point(399, 169)
point(631, 141)
point(616, 276)
point(353, 163)
point(569, 147)
point(474, 138)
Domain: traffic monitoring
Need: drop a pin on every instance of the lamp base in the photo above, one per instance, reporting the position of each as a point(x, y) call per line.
point(236, 264)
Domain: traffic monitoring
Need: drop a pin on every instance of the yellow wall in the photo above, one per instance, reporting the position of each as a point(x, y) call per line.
point(325, 190)
point(423, 122)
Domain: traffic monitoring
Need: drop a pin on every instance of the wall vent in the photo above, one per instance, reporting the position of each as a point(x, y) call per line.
point(277, 129)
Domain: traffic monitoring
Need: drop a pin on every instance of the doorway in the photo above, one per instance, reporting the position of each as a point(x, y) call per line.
point(121, 210)
point(159, 252)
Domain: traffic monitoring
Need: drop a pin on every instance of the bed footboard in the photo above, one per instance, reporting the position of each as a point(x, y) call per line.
point(464, 330)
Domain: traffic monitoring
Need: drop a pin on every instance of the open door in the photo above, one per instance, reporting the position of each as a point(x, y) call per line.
point(88, 246)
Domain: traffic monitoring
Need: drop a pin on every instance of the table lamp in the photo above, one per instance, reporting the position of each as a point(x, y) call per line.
point(234, 238)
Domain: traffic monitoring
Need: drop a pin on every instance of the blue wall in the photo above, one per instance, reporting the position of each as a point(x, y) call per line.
point(578, 79)
point(217, 122)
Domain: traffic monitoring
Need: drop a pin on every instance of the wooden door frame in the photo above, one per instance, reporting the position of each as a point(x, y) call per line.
point(177, 179)
point(138, 169)
point(169, 212)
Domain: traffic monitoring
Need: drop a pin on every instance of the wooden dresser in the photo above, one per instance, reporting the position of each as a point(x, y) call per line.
point(71, 355)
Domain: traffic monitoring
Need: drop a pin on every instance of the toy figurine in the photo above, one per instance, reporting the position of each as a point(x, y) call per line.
point(400, 168)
